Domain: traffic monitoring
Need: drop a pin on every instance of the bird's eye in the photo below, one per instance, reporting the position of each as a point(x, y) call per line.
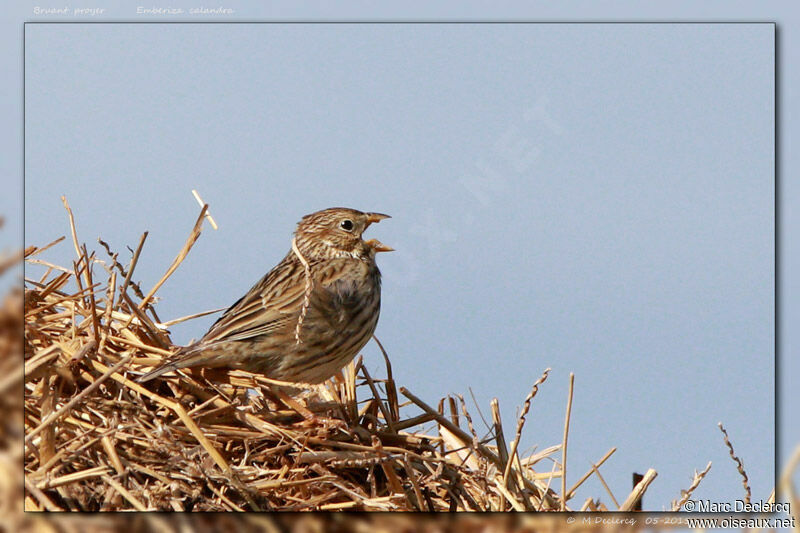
point(346, 225)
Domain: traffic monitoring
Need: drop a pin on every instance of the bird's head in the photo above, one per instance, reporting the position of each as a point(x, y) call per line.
point(337, 232)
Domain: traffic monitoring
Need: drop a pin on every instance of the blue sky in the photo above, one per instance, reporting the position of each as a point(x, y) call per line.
point(593, 198)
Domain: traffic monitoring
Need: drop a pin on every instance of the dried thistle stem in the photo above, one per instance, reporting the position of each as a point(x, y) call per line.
point(686, 494)
point(739, 464)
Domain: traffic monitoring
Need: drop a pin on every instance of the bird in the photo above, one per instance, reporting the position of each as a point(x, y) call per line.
point(307, 317)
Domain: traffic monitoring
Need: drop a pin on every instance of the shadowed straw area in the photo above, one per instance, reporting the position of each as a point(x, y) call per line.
point(210, 441)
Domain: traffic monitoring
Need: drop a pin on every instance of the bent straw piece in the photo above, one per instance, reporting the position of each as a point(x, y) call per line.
point(72, 226)
point(193, 236)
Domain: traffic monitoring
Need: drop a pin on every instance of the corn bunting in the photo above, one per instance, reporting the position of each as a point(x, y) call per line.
point(309, 316)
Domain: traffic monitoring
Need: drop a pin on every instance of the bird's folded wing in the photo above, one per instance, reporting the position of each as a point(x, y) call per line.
point(273, 304)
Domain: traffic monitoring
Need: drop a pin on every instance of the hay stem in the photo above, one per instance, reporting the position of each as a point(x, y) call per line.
point(134, 261)
point(193, 236)
point(592, 470)
point(72, 229)
point(567, 417)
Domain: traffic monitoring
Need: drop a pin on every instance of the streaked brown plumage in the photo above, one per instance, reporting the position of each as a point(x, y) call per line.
point(294, 328)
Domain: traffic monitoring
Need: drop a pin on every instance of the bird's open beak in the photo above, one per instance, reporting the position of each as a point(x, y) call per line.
point(378, 246)
point(375, 217)
point(375, 244)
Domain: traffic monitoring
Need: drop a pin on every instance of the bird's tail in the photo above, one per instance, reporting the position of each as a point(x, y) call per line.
point(197, 354)
point(173, 362)
point(161, 370)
